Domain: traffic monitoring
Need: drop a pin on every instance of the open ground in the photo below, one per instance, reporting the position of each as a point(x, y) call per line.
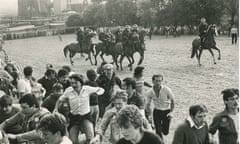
point(170, 56)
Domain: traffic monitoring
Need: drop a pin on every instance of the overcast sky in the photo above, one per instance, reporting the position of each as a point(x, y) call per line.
point(8, 7)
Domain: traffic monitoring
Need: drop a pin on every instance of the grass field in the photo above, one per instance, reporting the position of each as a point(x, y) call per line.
point(190, 83)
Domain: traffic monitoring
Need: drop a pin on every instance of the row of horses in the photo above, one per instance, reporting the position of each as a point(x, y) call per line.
point(116, 50)
point(121, 50)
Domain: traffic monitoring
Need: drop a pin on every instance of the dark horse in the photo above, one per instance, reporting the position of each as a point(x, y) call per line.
point(209, 44)
point(131, 47)
point(74, 48)
point(115, 50)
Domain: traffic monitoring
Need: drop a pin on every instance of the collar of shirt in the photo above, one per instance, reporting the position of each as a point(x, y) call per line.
point(192, 124)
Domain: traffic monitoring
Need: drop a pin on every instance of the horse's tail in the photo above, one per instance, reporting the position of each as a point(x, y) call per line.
point(195, 45)
point(66, 50)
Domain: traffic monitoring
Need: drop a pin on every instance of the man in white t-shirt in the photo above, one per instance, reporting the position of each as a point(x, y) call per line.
point(24, 84)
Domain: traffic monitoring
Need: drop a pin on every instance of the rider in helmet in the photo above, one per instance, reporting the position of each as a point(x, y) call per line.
point(126, 34)
point(203, 26)
point(135, 36)
point(109, 40)
point(80, 38)
point(118, 35)
point(135, 28)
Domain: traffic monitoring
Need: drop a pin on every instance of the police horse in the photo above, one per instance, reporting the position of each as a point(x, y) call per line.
point(73, 48)
point(208, 44)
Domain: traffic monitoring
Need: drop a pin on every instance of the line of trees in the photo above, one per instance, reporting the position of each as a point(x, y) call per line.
point(157, 12)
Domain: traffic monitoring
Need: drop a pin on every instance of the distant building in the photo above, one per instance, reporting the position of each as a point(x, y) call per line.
point(34, 8)
point(69, 5)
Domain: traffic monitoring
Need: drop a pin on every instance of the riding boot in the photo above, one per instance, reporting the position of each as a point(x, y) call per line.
point(201, 42)
point(107, 49)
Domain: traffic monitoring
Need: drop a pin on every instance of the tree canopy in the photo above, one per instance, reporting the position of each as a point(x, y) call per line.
point(156, 12)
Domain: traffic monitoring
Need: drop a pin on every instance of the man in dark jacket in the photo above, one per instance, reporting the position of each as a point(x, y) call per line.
point(202, 28)
point(227, 121)
point(194, 130)
point(108, 80)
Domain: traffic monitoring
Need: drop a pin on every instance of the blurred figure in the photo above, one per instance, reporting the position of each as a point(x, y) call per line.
point(202, 28)
point(7, 110)
point(130, 121)
point(234, 33)
point(109, 119)
point(52, 99)
point(227, 121)
point(24, 84)
point(29, 117)
point(53, 129)
point(109, 81)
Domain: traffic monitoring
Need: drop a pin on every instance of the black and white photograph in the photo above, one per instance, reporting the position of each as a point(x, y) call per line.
point(119, 72)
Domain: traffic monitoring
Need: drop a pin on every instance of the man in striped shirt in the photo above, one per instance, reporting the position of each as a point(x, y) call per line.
point(163, 100)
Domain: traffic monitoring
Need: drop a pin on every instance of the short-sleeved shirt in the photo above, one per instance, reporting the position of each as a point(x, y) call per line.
point(234, 30)
point(24, 86)
point(148, 138)
point(163, 100)
point(80, 103)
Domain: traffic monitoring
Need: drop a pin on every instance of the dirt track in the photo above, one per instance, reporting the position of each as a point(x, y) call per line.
point(190, 83)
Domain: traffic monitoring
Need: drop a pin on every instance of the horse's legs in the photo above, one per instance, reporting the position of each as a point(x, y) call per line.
point(101, 55)
point(210, 50)
point(95, 56)
point(219, 52)
point(115, 61)
point(141, 57)
point(199, 57)
point(130, 62)
point(70, 57)
point(89, 57)
point(121, 60)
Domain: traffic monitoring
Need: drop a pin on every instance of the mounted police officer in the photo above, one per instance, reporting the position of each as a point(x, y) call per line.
point(110, 39)
point(126, 35)
point(80, 38)
point(106, 37)
point(202, 28)
point(118, 35)
point(135, 36)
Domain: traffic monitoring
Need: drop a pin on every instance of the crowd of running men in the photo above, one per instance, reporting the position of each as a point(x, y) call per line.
point(66, 107)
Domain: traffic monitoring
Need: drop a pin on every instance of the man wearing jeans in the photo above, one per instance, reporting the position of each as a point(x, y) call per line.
point(80, 117)
point(163, 100)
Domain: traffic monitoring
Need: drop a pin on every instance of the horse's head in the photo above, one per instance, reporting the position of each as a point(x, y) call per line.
point(212, 30)
point(90, 35)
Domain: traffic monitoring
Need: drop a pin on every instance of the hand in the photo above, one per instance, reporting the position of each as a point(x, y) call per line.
point(150, 119)
point(212, 140)
point(170, 115)
point(11, 136)
point(95, 140)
